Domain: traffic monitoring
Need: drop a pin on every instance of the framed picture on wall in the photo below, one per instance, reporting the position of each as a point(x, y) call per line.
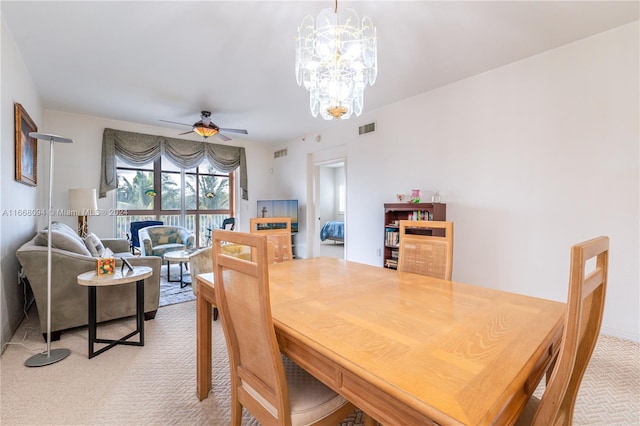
point(26, 148)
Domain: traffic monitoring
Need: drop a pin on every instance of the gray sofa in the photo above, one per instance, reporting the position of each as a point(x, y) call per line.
point(70, 257)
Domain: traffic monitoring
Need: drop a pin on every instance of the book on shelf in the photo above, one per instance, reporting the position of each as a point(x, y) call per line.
point(420, 215)
point(392, 238)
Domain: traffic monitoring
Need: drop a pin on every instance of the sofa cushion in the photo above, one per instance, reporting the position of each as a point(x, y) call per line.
point(161, 249)
point(63, 241)
point(61, 227)
point(94, 245)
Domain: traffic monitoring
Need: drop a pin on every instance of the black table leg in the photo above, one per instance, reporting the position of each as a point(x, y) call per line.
point(124, 340)
point(140, 309)
point(92, 320)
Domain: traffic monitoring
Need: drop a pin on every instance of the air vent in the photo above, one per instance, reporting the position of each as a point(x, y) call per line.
point(281, 153)
point(367, 128)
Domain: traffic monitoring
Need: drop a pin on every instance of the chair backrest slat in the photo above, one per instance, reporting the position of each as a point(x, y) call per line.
point(278, 232)
point(426, 248)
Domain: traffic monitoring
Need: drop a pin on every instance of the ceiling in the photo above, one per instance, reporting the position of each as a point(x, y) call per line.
point(145, 61)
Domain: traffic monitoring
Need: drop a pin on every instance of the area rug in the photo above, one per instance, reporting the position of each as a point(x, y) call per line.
point(170, 292)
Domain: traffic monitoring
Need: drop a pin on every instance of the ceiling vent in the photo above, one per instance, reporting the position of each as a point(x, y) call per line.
point(367, 128)
point(281, 153)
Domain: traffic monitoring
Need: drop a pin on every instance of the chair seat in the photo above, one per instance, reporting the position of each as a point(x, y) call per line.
point(161, 249)
point(309, 398)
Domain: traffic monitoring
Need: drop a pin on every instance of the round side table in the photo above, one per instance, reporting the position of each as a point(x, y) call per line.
point(181, 257)
point(93, 281)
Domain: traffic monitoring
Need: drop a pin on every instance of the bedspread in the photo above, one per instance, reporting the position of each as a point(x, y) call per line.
point(332, 230)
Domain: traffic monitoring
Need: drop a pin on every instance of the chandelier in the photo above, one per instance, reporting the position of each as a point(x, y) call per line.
point(335, 59)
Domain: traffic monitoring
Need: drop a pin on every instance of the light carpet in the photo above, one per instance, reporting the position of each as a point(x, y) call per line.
point(126, 385)
point(156, 384)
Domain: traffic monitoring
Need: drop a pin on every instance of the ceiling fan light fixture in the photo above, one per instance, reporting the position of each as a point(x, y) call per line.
point(336, 57)
point(204, 131)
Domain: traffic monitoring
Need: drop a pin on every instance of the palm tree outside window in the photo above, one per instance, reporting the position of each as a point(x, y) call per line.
point(197, 198)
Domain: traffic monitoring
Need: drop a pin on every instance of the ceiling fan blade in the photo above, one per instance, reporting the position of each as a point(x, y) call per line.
point(234, 131)
point(223, 137)
point(173, 122)
point(185, 133)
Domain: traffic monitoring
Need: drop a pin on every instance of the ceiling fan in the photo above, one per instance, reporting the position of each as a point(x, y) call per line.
point(206, 128)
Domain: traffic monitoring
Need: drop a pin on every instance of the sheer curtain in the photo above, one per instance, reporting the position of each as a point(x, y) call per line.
point(138, 149)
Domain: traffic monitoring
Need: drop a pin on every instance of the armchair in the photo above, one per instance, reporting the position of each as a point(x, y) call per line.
point(135, 227)
point(160, 239)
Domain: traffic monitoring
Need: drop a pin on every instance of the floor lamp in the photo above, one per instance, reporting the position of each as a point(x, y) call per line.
point(50, 356)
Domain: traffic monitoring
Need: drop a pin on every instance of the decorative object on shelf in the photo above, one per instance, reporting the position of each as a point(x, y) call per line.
point(83, 202)
point(50, 356)
point(400, 197)
point(415, 196)
point(335, 59)
point(26, 148)
point(435, 198)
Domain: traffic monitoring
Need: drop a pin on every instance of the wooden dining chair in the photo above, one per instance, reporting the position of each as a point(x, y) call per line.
point(585, 306)
point(270, 386)
point(426, 248)
point(278, 232)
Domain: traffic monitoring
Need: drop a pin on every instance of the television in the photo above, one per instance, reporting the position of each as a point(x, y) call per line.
point(280, 208)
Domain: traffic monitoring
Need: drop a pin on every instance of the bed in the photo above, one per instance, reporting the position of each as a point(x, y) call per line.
point(333, 230)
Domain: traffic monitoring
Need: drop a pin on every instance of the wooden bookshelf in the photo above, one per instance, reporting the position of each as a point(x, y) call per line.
point(395, 212)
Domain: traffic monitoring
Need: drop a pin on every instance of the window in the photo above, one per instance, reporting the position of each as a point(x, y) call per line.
point(197, 199)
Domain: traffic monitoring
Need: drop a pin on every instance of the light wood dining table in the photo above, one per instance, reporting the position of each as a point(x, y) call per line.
point(406, 349)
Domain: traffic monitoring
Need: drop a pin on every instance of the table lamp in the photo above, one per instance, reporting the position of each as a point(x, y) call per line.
point(83, 202)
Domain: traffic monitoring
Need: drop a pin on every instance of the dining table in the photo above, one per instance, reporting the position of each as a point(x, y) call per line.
point(406, 349)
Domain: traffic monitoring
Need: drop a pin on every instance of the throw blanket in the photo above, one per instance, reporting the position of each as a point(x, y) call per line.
point(332, 230)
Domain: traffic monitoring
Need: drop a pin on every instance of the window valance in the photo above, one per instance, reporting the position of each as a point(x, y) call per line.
point(138, 149)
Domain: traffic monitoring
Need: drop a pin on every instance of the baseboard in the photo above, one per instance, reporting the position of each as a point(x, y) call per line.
point(635, 337)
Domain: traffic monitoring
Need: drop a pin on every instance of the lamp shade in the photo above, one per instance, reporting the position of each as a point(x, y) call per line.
point(204, 131)
point(83, 201)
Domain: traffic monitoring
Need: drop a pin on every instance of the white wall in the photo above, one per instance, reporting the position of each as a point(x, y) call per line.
point(16, 199)
point(530, 158)
point(338, 173)
point(327, 195)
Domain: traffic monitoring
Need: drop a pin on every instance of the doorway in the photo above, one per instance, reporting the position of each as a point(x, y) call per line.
point(330, 207)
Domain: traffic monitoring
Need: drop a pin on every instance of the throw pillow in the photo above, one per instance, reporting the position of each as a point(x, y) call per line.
point(66, 229)
point(94, 245)
point(63, 241)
